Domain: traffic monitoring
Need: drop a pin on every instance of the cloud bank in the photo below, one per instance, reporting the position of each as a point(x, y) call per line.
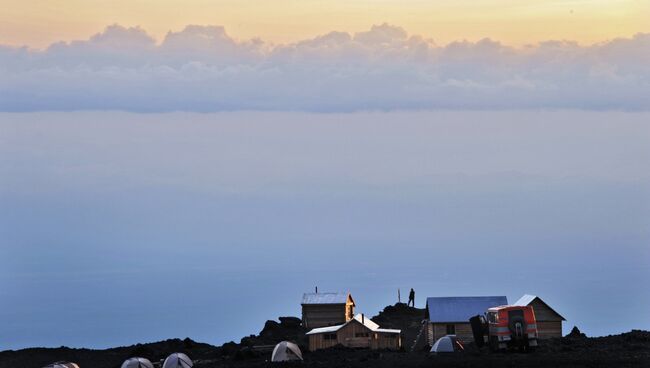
point(202, 68)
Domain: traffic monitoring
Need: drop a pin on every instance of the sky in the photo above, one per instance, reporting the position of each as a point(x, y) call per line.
point(173, 169)
point(203, 69)
point(119, 228)
point(324, 56)
point(38, 23)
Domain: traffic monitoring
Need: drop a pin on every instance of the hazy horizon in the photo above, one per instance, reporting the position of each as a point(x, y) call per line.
point(120, 228)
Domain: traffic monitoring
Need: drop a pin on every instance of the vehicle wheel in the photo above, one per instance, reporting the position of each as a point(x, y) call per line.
point(494, 346)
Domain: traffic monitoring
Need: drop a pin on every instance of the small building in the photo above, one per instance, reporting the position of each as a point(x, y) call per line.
point(326, 309)
point(450, 315)
point(549, 322)
point(359, 332)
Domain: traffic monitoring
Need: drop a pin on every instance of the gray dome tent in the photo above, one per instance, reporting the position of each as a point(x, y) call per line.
point(446, 344)
point(62, 365)
point(286, 351)
point(178, 360)
point(137, 363)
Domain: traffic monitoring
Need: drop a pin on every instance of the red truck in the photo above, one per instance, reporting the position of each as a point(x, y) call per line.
point(506, 327)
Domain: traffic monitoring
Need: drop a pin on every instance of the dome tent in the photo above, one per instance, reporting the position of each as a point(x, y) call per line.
point(286, 351)
point(137, 363)
point(177, 360)
point(446, 344)
point(62, 365)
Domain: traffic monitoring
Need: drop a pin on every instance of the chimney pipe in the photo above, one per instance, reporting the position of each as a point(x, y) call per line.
point(316, 289)
point(363, 319)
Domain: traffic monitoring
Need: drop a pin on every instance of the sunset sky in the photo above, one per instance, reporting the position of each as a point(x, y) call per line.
point(37, 23)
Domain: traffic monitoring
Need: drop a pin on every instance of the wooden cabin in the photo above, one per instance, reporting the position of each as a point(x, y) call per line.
point(359, 332)
point(326, 309)
point(549, 322)
point(450, 315)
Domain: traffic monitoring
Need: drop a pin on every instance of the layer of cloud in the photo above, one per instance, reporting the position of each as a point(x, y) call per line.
point(202, 68)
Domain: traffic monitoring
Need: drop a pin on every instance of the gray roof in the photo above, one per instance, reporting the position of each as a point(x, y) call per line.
point(370, 324)
point(527, 299)
point(460, 308)
point(324, 298)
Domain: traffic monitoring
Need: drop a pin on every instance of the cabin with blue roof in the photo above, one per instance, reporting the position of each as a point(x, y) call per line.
point(450, 315)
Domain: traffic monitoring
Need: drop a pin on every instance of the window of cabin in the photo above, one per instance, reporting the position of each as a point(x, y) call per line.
point(451, 329)
point(361, 334)
point(329, 337)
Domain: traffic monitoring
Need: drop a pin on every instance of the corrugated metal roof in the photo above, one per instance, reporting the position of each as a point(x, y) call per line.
point(366, 322)
point(324, 298)
point(329, 329)
point(461, 308)
point(527, 299)
point(370, 324)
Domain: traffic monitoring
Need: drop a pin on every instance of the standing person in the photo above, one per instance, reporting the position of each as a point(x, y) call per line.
point(411, 298)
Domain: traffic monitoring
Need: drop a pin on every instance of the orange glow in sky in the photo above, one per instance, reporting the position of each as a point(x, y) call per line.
point(38, 23)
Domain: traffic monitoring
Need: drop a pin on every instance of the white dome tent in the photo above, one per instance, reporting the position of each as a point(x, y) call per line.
point(178, 360)
point(137, 363)
point(286, 351)
point(62, 365)
point(446, 344)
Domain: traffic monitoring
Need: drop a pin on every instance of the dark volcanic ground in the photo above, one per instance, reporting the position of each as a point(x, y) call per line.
point(630, 349)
